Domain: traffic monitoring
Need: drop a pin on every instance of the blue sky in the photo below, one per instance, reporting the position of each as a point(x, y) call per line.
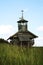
point(10, 12)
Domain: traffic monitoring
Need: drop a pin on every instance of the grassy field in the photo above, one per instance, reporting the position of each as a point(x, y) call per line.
point(14, 55)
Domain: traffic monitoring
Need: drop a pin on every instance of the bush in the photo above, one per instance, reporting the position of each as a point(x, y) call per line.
point(3, 41)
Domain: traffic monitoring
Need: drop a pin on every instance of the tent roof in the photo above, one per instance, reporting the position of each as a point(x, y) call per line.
point(22, 20)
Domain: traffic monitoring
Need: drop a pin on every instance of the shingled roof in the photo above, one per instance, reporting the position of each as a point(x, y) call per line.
point(22, 34)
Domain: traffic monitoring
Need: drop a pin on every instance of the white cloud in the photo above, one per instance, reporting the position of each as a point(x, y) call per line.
point(6, 31)
point(39, 42)
point(40, 28)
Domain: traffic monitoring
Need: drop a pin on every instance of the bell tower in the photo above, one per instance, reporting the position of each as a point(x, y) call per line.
point(22, 23)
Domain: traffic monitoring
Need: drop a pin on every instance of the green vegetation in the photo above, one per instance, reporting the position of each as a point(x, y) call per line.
point(14, 55)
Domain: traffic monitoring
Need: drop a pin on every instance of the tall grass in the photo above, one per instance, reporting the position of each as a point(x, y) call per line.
point(14, 55)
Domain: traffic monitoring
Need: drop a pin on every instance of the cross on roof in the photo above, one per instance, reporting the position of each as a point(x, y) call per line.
point(22, 14)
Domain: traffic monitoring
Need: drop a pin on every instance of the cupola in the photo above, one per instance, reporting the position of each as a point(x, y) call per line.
point(22, 23)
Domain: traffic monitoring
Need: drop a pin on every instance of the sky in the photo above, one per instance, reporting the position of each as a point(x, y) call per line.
point(10, 13)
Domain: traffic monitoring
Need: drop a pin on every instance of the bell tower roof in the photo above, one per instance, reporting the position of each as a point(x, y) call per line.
point(22, 18)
